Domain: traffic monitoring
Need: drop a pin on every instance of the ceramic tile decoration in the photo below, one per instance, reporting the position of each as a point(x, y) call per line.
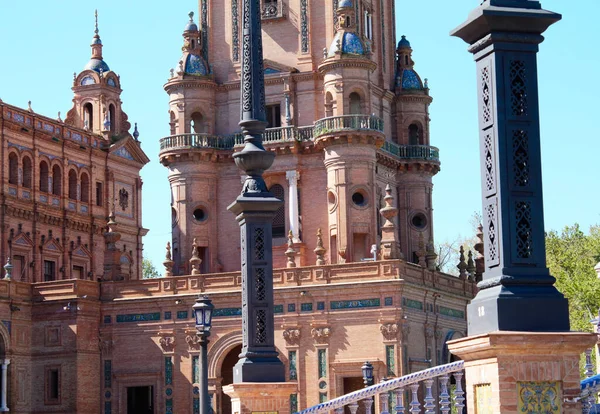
point(539, 397)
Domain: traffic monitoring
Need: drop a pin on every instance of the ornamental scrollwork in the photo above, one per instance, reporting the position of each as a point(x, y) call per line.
point(321, 335)
point(292, 336)
point(389, 331)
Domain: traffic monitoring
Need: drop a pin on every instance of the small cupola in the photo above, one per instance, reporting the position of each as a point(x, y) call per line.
point(407, 79)
point(346, 41)
point(192, 62)
point(96, 63)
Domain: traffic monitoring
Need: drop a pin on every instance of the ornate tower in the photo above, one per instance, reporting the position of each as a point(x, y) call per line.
point(420, 160)
point(97, 96)
point(350, 139)
point(192, 174)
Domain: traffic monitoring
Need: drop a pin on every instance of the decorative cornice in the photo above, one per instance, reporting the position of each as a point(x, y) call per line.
point(505, 37)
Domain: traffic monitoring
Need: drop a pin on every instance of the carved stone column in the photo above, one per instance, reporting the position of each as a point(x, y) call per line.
point(293, 176)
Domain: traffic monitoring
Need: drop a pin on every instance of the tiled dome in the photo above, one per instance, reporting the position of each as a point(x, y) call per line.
point(345, 3)
point(190, 24)
point(403, 42)
point(194, 65)
point(351, 44)
point(408, 79)
point(96, 65)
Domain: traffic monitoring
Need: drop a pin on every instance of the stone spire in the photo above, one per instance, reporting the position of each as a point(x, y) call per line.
point(168, 263)
point(462, 265)
point(421, 253)
point(290, 252)
point(431, 256)
point(195, 260)
point(479, 258)
point(390, 247)
point(470, 266)
point(320, 250)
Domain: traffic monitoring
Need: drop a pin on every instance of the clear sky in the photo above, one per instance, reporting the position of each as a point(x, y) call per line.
point(43, 42)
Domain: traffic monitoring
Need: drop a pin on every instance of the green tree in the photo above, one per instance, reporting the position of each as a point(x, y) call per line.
point(148, 269)
point(571, 256)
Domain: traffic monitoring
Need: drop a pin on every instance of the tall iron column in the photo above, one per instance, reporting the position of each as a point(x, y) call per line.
point(517, 292)
point(254, 210)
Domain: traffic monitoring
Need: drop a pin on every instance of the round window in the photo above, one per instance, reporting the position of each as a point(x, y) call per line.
point(200, 214)
point(359, 199)
point(419, 221)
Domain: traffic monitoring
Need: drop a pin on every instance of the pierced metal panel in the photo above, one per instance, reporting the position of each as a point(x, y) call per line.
point(259, 284)
point(487, 115)
point(521, 163)
point(523, 230)
point(489, 164)
point(519, 105)
point(492, 248)
point(261, 326)
point(259, 244)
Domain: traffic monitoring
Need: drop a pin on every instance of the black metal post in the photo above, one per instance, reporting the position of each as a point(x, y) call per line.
point(203, 371)
point(517, 292)
point(254, 210)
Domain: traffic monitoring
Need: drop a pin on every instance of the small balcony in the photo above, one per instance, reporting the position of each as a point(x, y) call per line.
point(412, 152)
point(334, 124)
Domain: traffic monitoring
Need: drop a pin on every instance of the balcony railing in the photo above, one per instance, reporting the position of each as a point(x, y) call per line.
point(182, 141)
point(412, 152)
point(397, 386)
point(335, 124)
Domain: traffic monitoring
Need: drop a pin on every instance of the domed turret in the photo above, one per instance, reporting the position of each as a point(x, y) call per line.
point(192, 62)
point(406, 77)
point(346, 41)
point(96, 63)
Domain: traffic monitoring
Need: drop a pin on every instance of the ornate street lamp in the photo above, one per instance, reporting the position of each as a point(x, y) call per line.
point(203, 309)
point(367, 370)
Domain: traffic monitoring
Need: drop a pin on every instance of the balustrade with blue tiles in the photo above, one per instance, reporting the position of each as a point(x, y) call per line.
point(397, 389)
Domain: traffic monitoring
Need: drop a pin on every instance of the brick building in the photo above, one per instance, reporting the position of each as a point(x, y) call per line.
point(348, 120)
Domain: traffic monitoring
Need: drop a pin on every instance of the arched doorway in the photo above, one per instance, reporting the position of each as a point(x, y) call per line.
point(227, 375)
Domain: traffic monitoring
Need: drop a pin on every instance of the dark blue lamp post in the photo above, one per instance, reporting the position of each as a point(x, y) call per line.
point(367, 370)
point(203, 309)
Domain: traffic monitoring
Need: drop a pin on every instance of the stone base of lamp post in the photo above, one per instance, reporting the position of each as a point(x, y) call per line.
point(263, 397)
point(506, 372)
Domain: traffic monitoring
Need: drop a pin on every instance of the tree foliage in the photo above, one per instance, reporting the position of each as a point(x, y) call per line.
point(449, 251)
point(148, 269)
point(571, 256)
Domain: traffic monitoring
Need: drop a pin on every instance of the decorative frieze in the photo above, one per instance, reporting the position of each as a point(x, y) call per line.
point(352, 304)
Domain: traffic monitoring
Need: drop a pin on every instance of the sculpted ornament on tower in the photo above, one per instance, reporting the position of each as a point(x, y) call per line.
point(321, 334)
point(389, 331)
point(292, 336)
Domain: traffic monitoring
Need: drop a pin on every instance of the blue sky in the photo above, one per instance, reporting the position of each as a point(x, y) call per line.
point(43, 43)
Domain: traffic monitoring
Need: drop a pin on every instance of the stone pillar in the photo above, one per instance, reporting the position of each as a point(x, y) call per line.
point(255, 397)
point(293, 177)
point(517, 292)
point(513, 372)
point(3, 397)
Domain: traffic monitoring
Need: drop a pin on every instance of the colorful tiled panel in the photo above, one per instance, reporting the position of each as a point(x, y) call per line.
point(139, 317)
point(543, 397)
point(227, 312)
point(306, 307)
point(278, 309)
point(351, 304)
point(107, 373)
point(411, 303)
point(483, 399)
point(388, 301)
point(292, 307)
point(182, 314)
point(453, 313)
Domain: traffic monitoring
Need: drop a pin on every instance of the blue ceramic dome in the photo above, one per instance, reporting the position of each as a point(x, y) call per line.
point(96, 65)
point(351, 44)
point(345, 3)
point(194, 65)
point(409, 80)
point(190, 24)
point(403, 43)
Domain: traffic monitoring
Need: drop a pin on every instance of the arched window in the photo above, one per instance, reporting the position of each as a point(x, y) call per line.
point(414, 135)
point(56, 180)
point(111, 117)
point(88, 116)
point(328, 104)
point(197, 123)
point(279, 219)
point(355, 103)
point(13, 169)
point(44, 176)
point(27, 172)
point(72, 185)
point(85, 188)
